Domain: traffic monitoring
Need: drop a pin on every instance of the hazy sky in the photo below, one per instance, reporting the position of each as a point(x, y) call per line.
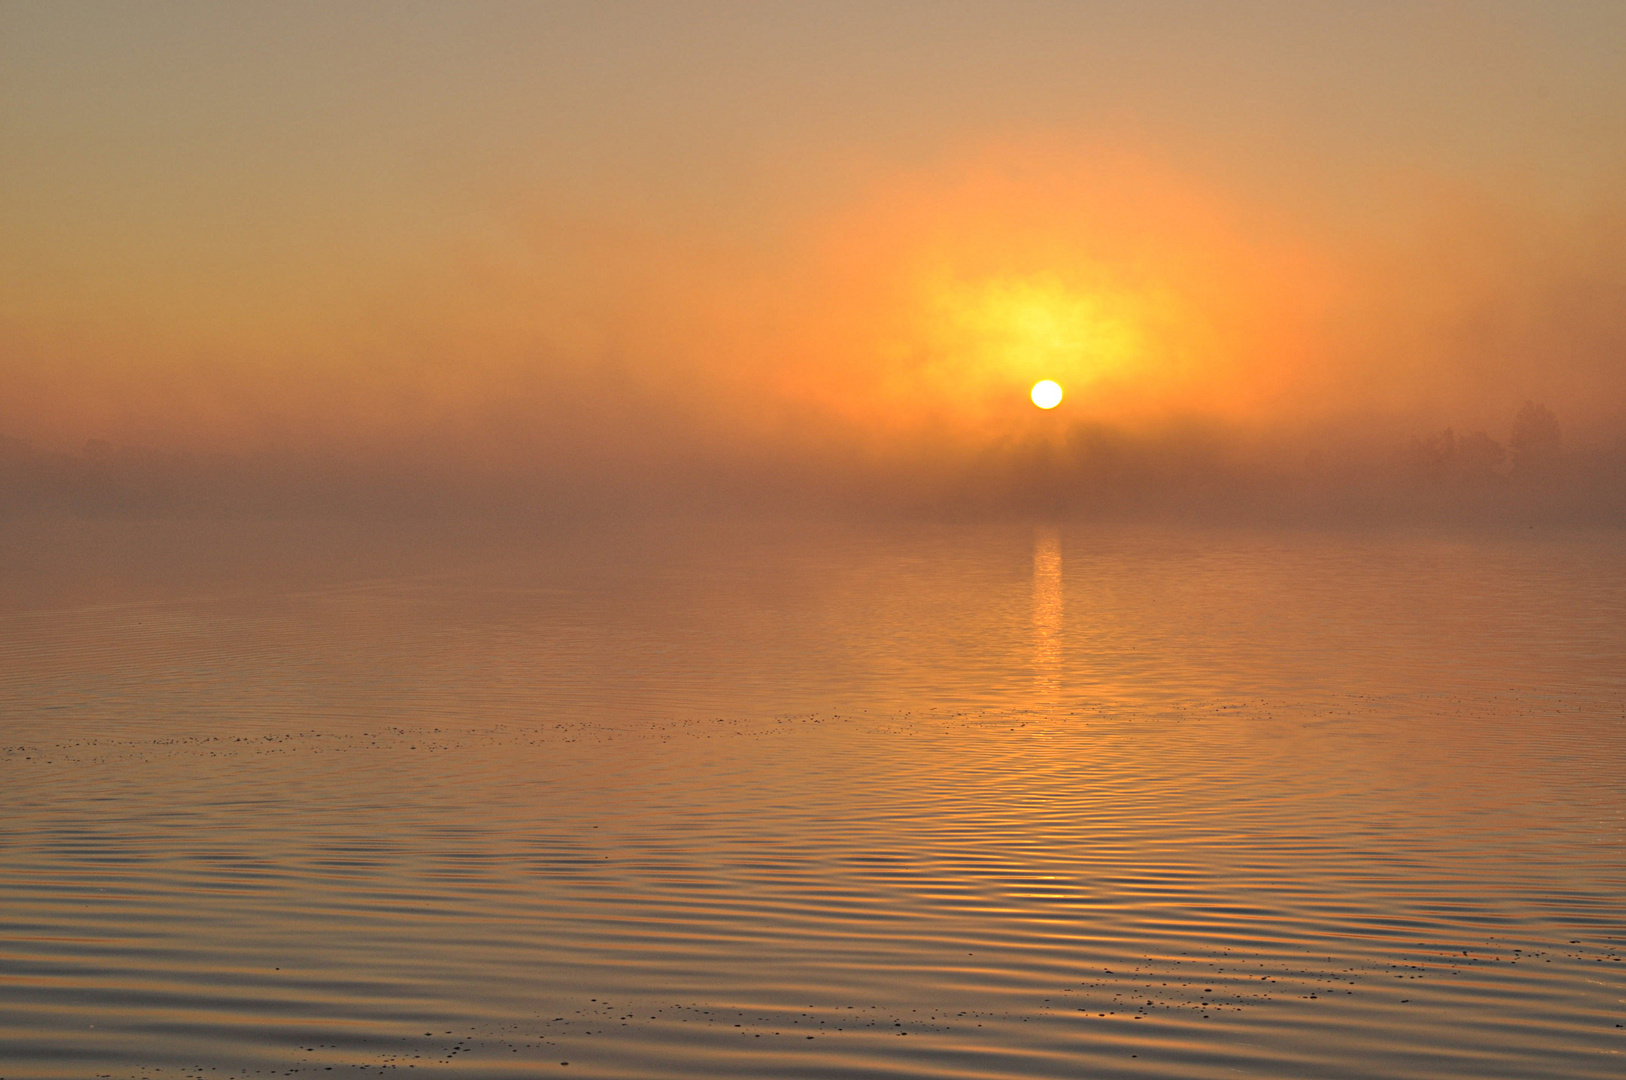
point(587, 236)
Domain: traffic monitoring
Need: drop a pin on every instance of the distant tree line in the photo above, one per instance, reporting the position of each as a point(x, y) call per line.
point(1195, 471)
point(1535, 448)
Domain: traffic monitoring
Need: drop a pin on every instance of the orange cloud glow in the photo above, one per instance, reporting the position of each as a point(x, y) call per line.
point(941, 299)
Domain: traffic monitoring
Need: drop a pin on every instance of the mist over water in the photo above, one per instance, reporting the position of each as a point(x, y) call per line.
point(1529, 472)
point(526, 546)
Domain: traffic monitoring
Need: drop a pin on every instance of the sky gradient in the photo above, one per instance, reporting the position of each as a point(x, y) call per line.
point(606, 243)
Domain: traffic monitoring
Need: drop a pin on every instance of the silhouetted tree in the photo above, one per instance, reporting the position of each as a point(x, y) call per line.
point(1536, 439)
point(1435, 456)
point(1479, 457)
point(1442, 458)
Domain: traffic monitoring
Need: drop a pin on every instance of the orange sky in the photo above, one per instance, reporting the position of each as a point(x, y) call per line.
point(589, 236)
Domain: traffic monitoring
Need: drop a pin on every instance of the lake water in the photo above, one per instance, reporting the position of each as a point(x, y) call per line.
point(792, 801)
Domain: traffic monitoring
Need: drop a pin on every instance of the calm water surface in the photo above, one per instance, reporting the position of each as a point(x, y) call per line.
point(776, 801)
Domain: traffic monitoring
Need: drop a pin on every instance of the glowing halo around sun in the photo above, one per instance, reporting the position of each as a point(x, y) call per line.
point(1046, 394)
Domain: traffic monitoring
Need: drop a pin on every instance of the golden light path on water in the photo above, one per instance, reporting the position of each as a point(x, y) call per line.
point(914, 802)
point(1047, 610)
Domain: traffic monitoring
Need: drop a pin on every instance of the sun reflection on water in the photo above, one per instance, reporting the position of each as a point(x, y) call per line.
point(1047, 611)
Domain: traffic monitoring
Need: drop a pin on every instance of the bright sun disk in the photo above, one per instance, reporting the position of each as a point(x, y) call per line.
point(1046, 394)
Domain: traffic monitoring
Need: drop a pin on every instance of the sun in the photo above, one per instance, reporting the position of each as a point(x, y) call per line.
point(1046, 394)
